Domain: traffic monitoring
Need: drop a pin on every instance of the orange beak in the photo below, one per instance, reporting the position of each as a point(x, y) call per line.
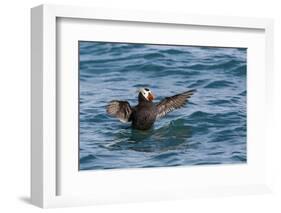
point(150, 97)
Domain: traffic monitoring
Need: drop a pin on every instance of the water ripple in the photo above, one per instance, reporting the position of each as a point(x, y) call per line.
point(211, 129)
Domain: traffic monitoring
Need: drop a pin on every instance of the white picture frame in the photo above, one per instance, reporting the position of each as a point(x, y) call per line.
point(48, 157)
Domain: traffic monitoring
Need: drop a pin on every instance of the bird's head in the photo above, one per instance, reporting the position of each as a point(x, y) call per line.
point(146, 94)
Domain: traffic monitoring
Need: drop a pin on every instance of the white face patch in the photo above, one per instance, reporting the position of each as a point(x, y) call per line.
point(145, 92)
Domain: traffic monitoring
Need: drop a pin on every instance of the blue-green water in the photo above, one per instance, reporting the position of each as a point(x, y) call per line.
point(210, 129)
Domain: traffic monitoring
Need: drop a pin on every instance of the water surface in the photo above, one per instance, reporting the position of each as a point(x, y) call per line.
point(211, 129)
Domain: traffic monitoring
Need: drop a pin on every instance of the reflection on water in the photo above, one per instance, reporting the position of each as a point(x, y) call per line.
point(165, 138)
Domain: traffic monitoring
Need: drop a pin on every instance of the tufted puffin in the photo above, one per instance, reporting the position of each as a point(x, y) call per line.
point(146, 112)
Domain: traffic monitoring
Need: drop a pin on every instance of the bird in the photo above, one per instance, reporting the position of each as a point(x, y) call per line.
point(146, 112)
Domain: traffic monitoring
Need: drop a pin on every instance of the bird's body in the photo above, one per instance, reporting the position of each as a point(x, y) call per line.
point(144, 115)
point(146, 112)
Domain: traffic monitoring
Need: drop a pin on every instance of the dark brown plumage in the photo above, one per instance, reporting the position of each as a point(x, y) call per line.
point(120, 109)
point(168, 104)
point(146, 112)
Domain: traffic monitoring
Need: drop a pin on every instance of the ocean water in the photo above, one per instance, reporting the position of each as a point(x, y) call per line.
point(210, 129)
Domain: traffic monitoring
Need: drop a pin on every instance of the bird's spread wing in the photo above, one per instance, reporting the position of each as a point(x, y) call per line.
point(120, 109)
point(168, 104)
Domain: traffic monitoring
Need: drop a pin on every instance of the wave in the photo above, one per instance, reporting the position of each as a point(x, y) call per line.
point(229, 64)
point(108, 60)
point(239, 71)
point(94, 118)
point(199, 83)
point(210, 129)
point(219, 102)
point(87, 158)
point(243, 93)
point(215, 119)
point(174, 52)
point(219, 84)
point(152, 56)
point(224, 135)
point(239, 158)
